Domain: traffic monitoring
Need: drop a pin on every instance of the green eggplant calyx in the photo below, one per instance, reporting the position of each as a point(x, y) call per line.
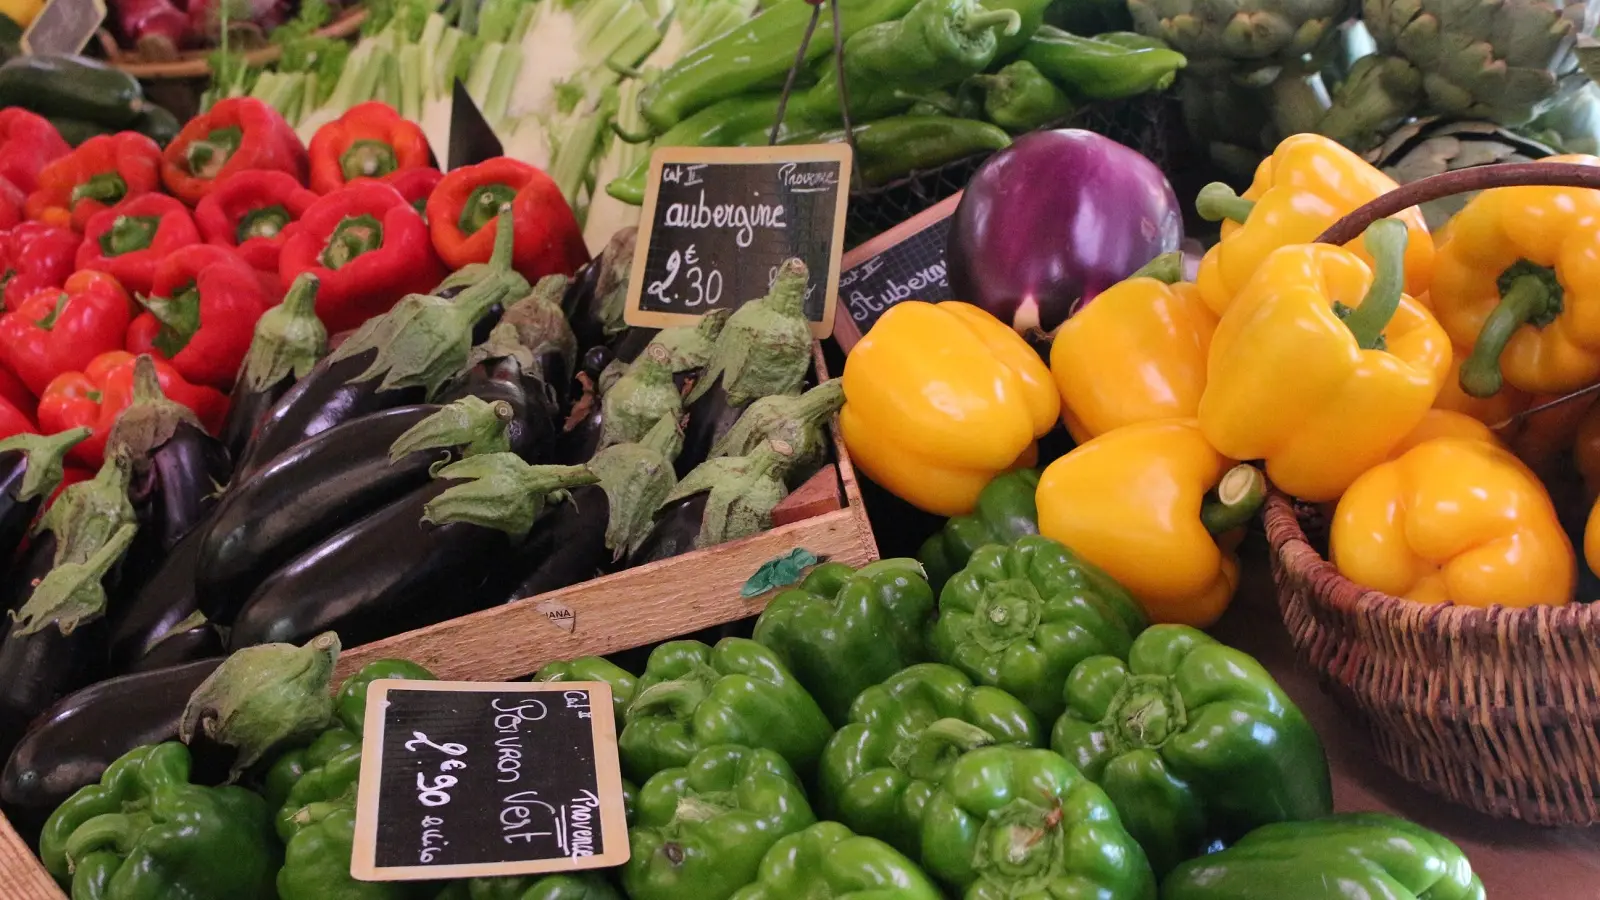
point(129, 234)
point(483, 204)
point(1007, 612)
point(179, 316)
point(1022, 842)
point(1236, 499)
point(637, 478)
point(1217, 202)
point(151, 419)
point(264, 697)
point(678, 698)
point(1146, 711)
point(88, 513)
point(1530, 295)
point(499, 262)
point(535, 332)
point(207, 156)
point(799, 420)
point(927, 754)
point(289, 338)
point(266, 222)
point(741, 492)
point(471, 422)
point(500, 491)
point(1385, 241)
point(765, 348)
point(45, 453)
point(641, 397)
point(611, 288)
point(689, 347)
point(352, 237)
point(72, 594)
point(367, 159)
point(106, 188)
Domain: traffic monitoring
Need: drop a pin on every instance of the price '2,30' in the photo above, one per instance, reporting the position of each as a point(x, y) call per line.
point(702, 286)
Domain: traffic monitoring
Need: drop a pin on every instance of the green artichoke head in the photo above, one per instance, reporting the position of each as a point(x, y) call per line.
point(1242, 31)
point(1434, 146)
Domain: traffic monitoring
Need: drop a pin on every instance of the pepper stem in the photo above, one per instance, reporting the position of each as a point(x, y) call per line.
point(266, 222)
point(1529, 295)
point(367, 159)
point(289, 338)
point(129, 234)
point(44, 454)
point(1217, 202)
point(353, 236)
point(207, 156)
point(1166, 268)
point(1385, 241)
point(1008, 20)
point(179, 316)
point(502, 492)
point(471, 422)
point(1239, 495)
point(927, 755)
point(264, 697)
point(106, 187)
point(483, 205)
point(72, 593)
point(680, 697)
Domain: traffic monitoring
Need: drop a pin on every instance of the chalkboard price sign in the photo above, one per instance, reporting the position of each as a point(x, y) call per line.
point(467, 779)
point(719, 221)
point(63, 27)
point(907, 262)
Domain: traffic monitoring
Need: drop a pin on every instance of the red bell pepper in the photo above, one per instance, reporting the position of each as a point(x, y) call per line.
point(250, 212)
point(367, 247)
point(14, 392)
point(202, 314)
point(131, 238)
point(370, 140)
point(238, 134)
point(13, 204)
point(28, 142)
point(94, 397)
point(461, 219)
point(102, 172)
point(34, 255)
point(14, 421)
point(62, 329)
point(416, 185)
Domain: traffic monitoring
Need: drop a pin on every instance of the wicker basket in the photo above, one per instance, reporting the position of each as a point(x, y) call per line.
point(1497, 709)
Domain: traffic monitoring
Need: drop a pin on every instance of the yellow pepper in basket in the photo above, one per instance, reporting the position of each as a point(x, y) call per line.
point(1454, 521)
point(1586, 454)
point(1319, 368)
point(1159, 510)
point(1135, 354)
point(1307, 184)
point(941, 398)
point(1517, 280)
point(1443, 423)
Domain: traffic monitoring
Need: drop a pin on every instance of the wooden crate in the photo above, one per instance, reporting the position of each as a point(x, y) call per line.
point(631, 608)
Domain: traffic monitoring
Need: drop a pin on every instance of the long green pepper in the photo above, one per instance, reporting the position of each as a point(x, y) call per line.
point(899, 145)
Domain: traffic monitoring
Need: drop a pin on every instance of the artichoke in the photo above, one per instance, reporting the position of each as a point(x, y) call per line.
point(1241, 31)
point(1572, 125)
point(1431, 146)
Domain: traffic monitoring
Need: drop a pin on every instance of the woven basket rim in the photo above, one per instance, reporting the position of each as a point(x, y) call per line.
point(1301, 559)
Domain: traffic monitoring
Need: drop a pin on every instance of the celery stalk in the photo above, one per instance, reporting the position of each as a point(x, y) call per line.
point(483, 72)
point(498, 95)
point(411, 74)
point(443, 62)
point(576, 154)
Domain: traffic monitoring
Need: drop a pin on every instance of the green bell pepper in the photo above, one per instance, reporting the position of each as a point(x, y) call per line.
point(336, 778)
point(692, 696)
point(288, 770)
point(351, 704)
point(703, 829)
point(1020, 616)
point(1193, 741)
point(580, 886)
point(1013, 822)
point(828, 861)
point(879, 770)
point(596, 668)
point(316, 862)
point(1345, 857)
point(1005, 512)
point(145, 833)
point(843, 630)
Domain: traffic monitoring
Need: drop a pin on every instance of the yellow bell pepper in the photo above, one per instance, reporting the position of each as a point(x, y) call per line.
point(1454, 521)
point(1491, 410)
point(1443, 423)
point(1307, 184)
point(1137, 353)
point(1148, 503)
point(22, 12)
point(1517, 280)
point(1319, 368)
point(941, 398)
point(1591, 539)
point(1586, 457)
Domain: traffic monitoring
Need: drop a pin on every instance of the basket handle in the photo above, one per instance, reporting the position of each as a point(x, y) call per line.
point(1461, 181)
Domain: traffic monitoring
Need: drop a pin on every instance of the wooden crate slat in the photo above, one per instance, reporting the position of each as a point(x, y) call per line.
point(22, 876)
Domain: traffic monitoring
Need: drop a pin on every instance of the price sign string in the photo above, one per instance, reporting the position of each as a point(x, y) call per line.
point(838, 65)
point(1549, 404)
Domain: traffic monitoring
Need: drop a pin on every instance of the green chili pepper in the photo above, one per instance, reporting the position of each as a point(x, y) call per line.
point(1095, 69)
point(722, 124)
point(894, 147)
point(1032, 13)
point(1019, 99)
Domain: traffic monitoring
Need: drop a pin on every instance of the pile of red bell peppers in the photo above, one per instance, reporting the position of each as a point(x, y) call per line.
point(120, 247)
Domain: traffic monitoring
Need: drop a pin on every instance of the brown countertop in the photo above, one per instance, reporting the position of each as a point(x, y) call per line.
point(1515, 860)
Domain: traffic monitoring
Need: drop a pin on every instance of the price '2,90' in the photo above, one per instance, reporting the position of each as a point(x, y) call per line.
point(702, 286)
point(436, 793)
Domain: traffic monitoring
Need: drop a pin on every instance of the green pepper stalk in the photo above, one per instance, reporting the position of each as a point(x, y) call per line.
point(106, 188)
point(93, 523)
point(498, 263)
point(262, 698)
point(1235, 500)
point(426, 340)
point(1019, 99)
point(741, 492)
point(640, 398)
point(129, 234)
point(502, 492)
point(471, 423)
point(289, 338)
point(45, 466)
point(796, 419)
point(1530, 294)
point(765, 348)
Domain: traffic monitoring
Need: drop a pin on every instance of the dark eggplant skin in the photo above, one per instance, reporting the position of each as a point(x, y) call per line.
point(577, 303)
point(161, 604)
point(201, 641)
point(677, 526)
point(324, 398)
point(172, 495)
point(246, 410)
point(15, 515)
point(481, 329)
point(70, 744)
point(566, 547)
point(386, 574)
point(580, 436)
point(628, 345)
point(710, 417)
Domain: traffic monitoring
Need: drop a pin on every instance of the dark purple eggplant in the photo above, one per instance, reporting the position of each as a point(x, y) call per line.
point(331, 481)
point(289, 340)
point(70, 744)
point(764, 350)
point(535, 331)
point(399, 358)
point(799, 420)
point(397, 569)
point(627, 346)
point(30, 469)
point(162, 605)
point(580, 434)
point(722, 500)
point(594, 300)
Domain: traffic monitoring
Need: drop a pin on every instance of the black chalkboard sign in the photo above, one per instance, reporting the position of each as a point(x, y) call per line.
point(718, 222)
point(63, 27)
point(466, 779)
point(906, 262)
